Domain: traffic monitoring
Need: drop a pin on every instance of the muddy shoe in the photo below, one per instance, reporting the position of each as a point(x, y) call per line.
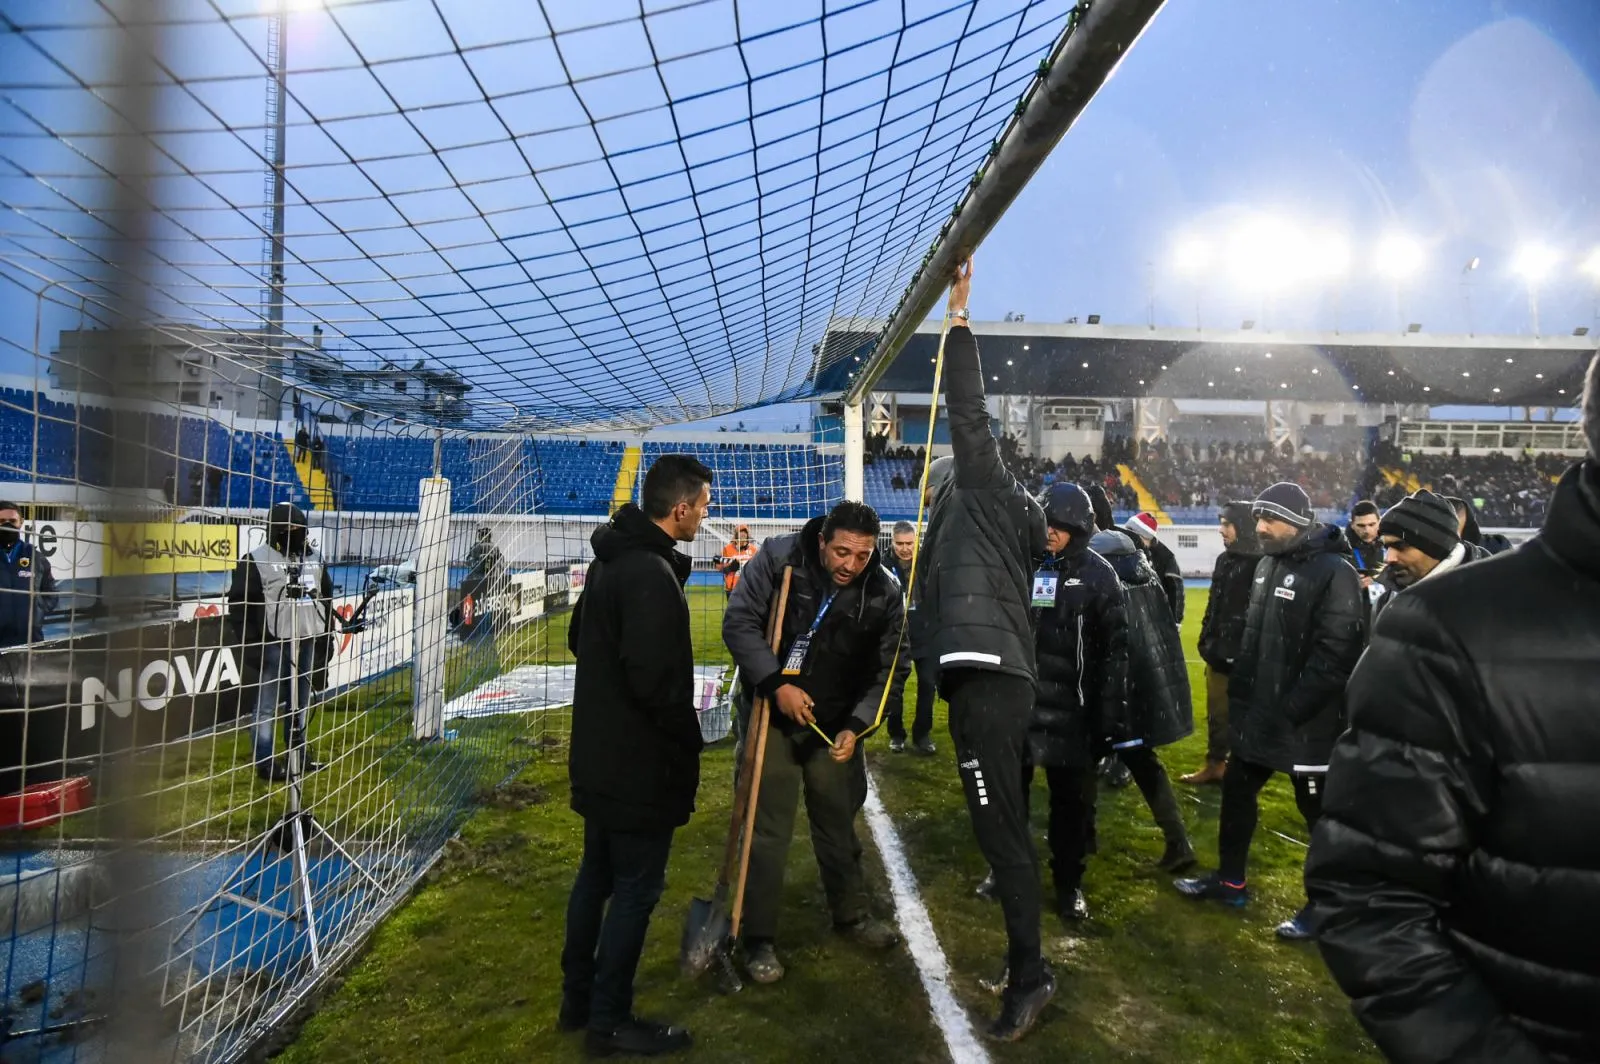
point(873, 934)
point(1178, 857)
point(1020, 1009)
point(925, 747)
point(761, 962)
point(985, 890)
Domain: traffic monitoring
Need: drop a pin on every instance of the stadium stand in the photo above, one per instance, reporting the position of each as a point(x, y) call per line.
point(786, 481)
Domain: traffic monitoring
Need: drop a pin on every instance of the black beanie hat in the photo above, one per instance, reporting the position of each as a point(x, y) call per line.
point(1424, 521)
point(1286, 502)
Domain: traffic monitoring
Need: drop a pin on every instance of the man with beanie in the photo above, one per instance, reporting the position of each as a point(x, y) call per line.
point(1302, 635)
point(984, 537)
point(1145, 532)
point(1362, 535)
point(1420, 540)
point(1456, 870)
point(1223, 627)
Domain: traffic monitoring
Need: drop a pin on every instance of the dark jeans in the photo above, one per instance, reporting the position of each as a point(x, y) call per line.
point(1072, 800)
point(604, 942)
point(989, 714)
point(1240, 808)
point(834, 794)
point(273, 695)
point(922, 722)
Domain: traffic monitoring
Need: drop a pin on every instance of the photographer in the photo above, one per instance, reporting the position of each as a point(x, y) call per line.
point(280, 605)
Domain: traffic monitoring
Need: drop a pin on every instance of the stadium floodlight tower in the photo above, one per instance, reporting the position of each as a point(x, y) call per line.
point(1095, 41)
point(1534, 263)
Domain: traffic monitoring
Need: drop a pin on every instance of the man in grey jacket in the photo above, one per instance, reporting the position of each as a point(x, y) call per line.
point(984, 537)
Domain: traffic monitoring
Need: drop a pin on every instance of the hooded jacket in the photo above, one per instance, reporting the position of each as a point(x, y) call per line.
point(983, 540)
point(853, 653)
point(1456, 868)
point(1082, 643)
point(1302, 635)
point(1159, 707)
point(1166, 567)
point(1222, 627)
point(635, 755)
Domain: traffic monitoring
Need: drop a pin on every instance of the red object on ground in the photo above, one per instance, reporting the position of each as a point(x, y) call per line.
point(45, 803)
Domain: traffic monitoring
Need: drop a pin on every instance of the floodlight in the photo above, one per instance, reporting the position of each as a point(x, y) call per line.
point(1414, 327)
point(1591, 265)
point(1535, 261)
point(1398, 257)
point(1191, 255)
point(1094, 319)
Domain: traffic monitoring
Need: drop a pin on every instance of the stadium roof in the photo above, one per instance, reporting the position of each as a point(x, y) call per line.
point(1023, 358)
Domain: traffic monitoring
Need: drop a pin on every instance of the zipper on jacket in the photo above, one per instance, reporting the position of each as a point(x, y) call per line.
point(1081, 703)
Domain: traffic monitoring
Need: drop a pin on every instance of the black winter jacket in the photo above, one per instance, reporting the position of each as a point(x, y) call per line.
point(1082, 644)
point(1302, 636)
point(1364, 556)
point(852, 655)
point(910, 593)
point(1222, 627)
point(1456, 868)
point(1159, 706)
point(1166, 566)
point(983, 540)
point(635, 756)
point(27, 593)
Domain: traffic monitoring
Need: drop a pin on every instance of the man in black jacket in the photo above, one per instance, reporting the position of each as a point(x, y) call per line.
point(985, 535)
point(1362, 535)
point(1302, 635)
point(1223, 627)
point(1456, 870)
point(1420, 539)
point(635, 755)
point(905, 547)
point(840, 661)
point(27, 587)
point(1146, 536)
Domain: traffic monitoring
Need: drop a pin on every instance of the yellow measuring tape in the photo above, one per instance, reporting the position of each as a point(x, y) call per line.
point(916, 550)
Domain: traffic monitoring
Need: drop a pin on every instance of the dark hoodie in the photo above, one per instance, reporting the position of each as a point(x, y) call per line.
point(853, 653)
point(1302, 635)
point(1223, 625)
point(635, 756)
point(1159, 706)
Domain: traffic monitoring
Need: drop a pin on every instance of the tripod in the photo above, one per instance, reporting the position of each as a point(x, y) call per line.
point(290, 832)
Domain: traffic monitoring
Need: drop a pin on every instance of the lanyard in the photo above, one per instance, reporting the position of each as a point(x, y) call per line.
point(822, 612)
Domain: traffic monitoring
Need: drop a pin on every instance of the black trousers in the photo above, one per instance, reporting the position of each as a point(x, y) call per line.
point(989, 714)
point(1150, 775)
point(1072, 802)
point(922, 722)
point(1241, 788)
point(604, 941)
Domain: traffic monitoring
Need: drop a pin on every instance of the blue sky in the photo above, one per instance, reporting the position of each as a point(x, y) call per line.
point(669, 256)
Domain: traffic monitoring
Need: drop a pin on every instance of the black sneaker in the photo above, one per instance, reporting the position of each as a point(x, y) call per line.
point(1177, 858)
point(924, 746)
point(897, 746)
point(574, 1014)
point(1212, 887)
point(272, 771)
point(637, 1038)
point(1020, 1009)
point(985, 890)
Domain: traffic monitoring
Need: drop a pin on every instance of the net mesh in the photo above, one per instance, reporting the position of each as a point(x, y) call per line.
point(428, 271)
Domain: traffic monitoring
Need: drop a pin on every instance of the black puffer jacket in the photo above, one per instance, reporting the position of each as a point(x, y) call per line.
point(1456, 871)
point(1166, 567)
point(1367, 556)
point(984, 538)
point(853, 654)
point(1222, 627)
point(1302, 636)
point(1159, 707)
point(1083, 659)
point(635, 756)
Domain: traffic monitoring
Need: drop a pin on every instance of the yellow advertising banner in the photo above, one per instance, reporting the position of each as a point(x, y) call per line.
point(141, 549)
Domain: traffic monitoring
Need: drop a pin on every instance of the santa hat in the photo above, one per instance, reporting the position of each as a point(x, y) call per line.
point(1141, 524)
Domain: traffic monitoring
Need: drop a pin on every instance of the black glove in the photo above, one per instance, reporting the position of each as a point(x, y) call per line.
point(732, 567)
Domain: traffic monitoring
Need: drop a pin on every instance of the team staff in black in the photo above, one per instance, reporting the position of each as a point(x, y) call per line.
point(1222, 628)
point(635, 754)
point(1420, 540)
point(1456, 869)
point(839, 655)
point(1362, 536)
point(1302, 636)
point(1158, 710)
point(904, 543)
point(984, 538)
point(1082, 651)
point(27, 587)
point(1146, 535)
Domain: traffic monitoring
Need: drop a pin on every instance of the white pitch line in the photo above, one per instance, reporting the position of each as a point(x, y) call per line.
point(917, 926)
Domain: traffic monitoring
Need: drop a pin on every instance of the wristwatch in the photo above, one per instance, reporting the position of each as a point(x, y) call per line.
point(961, 315)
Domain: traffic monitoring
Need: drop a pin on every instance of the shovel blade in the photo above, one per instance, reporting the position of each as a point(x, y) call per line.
point(705, 936)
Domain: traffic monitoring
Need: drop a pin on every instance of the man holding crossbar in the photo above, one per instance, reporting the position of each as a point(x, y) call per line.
point(839, 650)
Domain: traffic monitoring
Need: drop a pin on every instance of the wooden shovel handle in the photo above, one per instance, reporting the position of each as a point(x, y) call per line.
point(759, 718)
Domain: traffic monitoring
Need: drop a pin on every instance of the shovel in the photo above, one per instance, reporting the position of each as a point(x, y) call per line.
point(710, 929)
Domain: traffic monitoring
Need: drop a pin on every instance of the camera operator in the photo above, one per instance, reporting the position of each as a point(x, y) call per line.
point(280, 605)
